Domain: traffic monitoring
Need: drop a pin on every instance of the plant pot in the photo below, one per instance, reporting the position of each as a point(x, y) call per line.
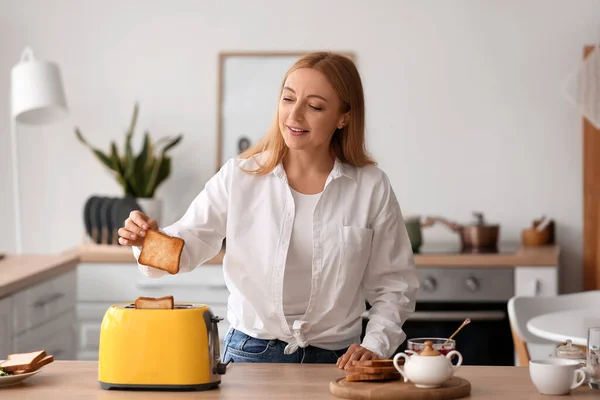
point(151, 207)
point(413, 227)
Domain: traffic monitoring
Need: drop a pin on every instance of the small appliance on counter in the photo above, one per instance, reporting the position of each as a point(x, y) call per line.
point(476, 237)
point(160, 349)
point(540, 233)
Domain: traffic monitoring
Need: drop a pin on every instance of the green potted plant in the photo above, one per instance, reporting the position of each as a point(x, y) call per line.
point(138, 174)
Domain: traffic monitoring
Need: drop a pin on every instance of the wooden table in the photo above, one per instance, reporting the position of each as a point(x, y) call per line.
point(563, 325)
point(79, 380)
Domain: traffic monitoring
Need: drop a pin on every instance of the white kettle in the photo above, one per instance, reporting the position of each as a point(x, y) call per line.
point(429, 368)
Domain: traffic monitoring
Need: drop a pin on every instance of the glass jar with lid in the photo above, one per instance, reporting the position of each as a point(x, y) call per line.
point(571, 352)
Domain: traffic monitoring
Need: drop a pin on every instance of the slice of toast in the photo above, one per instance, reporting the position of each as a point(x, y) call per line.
point(22, 361)
point(161, 251)
point(373, 377)
point(152, 303)
point(34, 367)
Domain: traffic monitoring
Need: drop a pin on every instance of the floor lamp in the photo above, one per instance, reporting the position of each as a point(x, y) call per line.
point(37, 97)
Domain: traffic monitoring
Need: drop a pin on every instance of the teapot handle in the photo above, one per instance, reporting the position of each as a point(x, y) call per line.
point(400, 368)
point(460, 359)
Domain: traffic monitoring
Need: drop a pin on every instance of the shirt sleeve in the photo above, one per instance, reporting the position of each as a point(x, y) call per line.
point(390, 281)
point(202, 227)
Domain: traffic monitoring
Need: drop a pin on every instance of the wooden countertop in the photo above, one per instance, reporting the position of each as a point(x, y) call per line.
point(20, 271)
point(93, 253)
point(524, 256)
point(79, 380)
point(540, 256)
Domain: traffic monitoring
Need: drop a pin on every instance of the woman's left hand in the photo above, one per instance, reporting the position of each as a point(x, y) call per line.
point(355, 352)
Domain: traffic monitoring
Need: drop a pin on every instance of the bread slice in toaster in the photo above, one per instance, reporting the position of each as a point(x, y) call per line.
point(153, 303)
point(161, 251)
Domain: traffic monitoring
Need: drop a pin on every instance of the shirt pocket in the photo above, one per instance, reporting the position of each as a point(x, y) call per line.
point(355, 249)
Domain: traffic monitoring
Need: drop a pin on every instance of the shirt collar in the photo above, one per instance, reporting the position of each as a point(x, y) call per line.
point(339, 169)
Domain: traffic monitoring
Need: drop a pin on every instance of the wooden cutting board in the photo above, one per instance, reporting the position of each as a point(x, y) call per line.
point(454, 388)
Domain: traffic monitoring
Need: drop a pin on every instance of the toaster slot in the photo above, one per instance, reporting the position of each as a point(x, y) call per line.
point(176, 307)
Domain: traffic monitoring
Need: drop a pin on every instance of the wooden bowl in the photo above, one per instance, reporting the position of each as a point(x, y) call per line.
point(531, 237)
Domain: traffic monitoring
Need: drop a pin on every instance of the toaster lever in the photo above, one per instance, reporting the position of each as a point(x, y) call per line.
point(221, 368)
point(216, 319)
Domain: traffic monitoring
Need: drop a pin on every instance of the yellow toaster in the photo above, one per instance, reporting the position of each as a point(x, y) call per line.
point(174, 349)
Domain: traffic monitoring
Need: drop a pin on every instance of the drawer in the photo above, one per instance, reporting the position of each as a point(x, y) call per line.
point(40, 303)
point(118, 283)
point(58, 337)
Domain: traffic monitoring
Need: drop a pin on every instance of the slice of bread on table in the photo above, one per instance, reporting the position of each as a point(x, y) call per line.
point(20, 363)
point(161, 251)
point(152, 303)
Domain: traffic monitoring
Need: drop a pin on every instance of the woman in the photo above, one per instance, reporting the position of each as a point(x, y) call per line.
point(313, 228)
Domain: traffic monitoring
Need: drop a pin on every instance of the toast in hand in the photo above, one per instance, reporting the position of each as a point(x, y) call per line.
point(151, 303)
point(25, 361)
point(161, 251)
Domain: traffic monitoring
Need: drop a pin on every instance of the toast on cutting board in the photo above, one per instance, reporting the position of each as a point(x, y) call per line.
point(161, 251)
point(20, 363)
point(373, 370)
point(155, 303)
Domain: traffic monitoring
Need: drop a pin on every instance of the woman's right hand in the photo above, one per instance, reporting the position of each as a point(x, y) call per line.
point(134, 229)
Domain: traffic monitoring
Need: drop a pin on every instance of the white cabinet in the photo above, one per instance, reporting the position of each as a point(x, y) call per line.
point(536, 281)
point(5, 327)
point(41, 316)
point(58, 337)
point(100, 285)
point(43, 302)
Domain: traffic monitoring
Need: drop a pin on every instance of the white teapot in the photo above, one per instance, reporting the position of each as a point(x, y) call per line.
point(429, 368)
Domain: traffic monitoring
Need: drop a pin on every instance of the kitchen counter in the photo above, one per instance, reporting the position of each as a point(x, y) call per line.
point(79, 380)
point(20, 271)
point(539, 256)
point(94, 253)
point(524, 256)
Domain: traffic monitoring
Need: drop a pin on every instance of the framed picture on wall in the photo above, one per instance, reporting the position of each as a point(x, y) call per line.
point(248, 94)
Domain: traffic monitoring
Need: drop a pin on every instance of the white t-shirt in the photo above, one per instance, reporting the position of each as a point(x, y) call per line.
point(297, 275)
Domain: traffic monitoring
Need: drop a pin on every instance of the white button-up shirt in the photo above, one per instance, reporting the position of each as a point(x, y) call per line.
point(361, 251)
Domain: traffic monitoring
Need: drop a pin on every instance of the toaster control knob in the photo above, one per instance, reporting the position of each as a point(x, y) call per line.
point(221, 368)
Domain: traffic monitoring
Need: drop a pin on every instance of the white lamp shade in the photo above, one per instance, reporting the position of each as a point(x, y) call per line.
point(37, 91)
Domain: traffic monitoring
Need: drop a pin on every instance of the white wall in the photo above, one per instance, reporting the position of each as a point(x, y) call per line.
point(465, 110)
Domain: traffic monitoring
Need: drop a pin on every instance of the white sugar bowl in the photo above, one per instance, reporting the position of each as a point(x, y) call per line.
point(429, 368)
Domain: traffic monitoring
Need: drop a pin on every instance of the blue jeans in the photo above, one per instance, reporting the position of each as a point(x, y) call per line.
point(242, 348)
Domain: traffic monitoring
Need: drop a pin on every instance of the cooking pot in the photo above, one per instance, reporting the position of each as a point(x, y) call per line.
point(478, 235)
point(413, 225)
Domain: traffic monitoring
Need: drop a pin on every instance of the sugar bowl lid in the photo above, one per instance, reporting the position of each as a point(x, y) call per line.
point(429, 350)
point(569, 351)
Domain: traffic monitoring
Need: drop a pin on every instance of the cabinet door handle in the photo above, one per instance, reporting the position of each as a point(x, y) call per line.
point(537, 287)
point(44, 301)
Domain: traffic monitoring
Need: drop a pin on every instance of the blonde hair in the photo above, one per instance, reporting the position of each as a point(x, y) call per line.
point(348, 143)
